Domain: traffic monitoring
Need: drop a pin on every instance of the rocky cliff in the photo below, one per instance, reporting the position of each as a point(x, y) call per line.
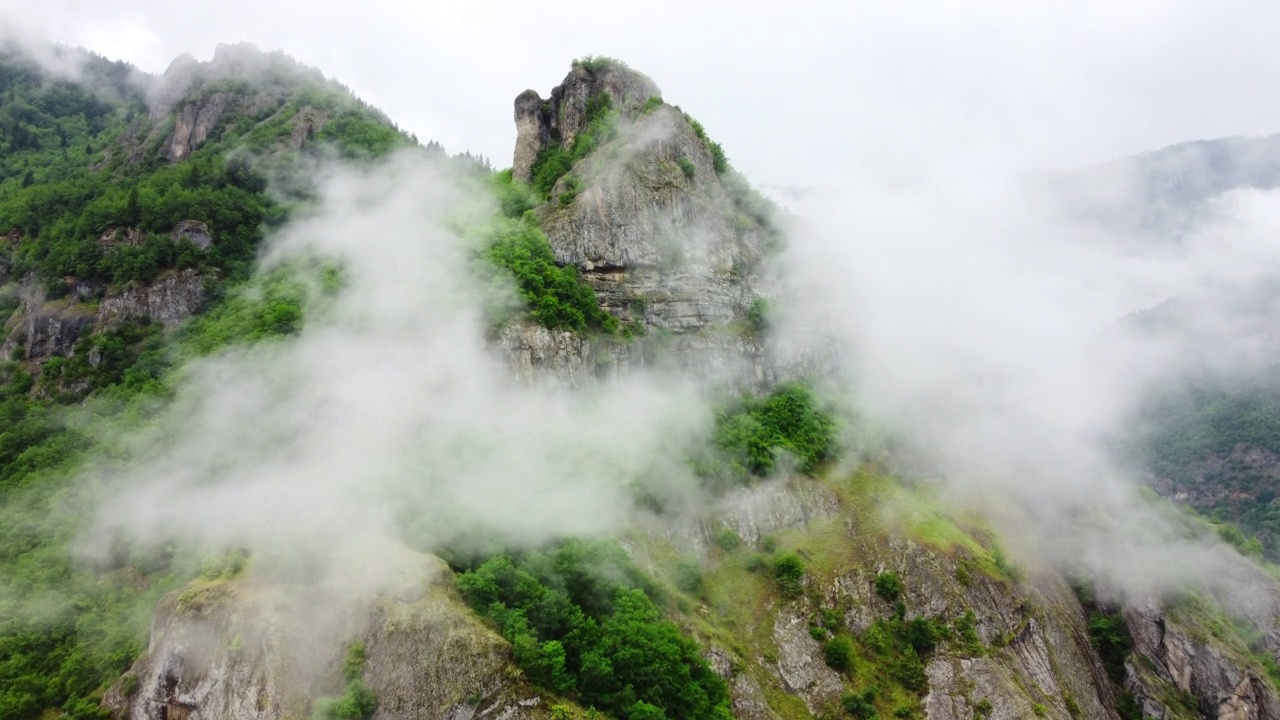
point(673, 242)
point(42, 327)
point(1029, 654)
point(1011, 643)
point(1180, 670)
point(194, 102)
point(245, 648)
point(677, 247)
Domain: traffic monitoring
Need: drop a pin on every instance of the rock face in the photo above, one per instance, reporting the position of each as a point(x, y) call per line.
point(193, 126)
point(240, 649)
point(1179, 669)
point(202, 98)
point(560, 118)
point(168, 301)
point(542, 356)
point(1034, 657)
point(653, 228)
point(659, 246)
point(44, 328)
point(671, 247)
point(194, 232)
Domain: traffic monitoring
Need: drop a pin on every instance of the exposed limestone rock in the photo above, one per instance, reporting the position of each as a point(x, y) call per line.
point(542, 356)
point(533, 132)
point(800, 662)
point(194, 232)
point(1037, 658)
point(240, 649)
point(1047, 660)
point(306, 124)
point(664, 243)
point(45, 328)
point(1178, 660)
point(563, 116)
point(751, 513)
point(49, 328)
point(240, 82)
point(115, 237)
point(194, 124)
point(168, 301)
point(645, 234)
point(749, 702)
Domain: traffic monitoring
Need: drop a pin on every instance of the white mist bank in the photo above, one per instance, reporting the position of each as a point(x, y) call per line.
point(987, 334)
point(390, 414)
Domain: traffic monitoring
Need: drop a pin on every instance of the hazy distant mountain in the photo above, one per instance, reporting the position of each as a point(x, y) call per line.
point(1165, 191)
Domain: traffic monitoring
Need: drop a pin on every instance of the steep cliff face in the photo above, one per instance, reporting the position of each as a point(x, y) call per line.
point(167, 301)
point(1029, 655)
point(739, 360)
point(1182, 671)
point(560, 118)
point(45, 328)
point(243, 649)
point(194, 102)
point(658, 243)
point(671, 241)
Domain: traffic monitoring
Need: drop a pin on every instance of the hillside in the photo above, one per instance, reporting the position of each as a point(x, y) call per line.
point(126, 212)
point(1208, 437)
point(1163, 192)
point(576, 474)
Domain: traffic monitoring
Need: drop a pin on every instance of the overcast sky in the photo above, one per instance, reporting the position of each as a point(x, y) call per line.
point(797, 93)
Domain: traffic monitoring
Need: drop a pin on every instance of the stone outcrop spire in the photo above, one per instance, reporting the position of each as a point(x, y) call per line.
point(533, 129)
point(563, 116)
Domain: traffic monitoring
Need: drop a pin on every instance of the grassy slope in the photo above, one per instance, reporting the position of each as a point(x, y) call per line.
point(738, 599)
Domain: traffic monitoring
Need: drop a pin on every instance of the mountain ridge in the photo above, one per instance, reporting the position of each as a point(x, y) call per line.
point(807, 588)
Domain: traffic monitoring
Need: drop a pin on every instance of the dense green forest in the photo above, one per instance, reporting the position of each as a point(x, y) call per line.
point(1199, 436)
point(584, 624)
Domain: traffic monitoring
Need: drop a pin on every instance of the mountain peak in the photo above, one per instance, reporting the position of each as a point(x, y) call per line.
point(567, 111)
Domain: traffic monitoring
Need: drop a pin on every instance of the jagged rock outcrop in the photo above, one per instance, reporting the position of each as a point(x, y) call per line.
point(1036, 658)
point(658, 244)
point(194, 232)
point(1182, 670)
point(202, 98)
point(667, 238)
point(561, 117)
point(46, 328)
point(115, 237)
point(533, 132)
point(168, 300)
point(245, 649)
point(193, 125)
point(539, 355)
point(43, 328)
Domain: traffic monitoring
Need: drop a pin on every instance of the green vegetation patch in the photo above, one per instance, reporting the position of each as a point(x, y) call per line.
point(583, 624)
point(553, 295)
point(358, 701)
point(753, 433)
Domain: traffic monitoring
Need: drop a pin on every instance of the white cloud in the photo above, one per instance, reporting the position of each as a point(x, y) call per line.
point(798, 94)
